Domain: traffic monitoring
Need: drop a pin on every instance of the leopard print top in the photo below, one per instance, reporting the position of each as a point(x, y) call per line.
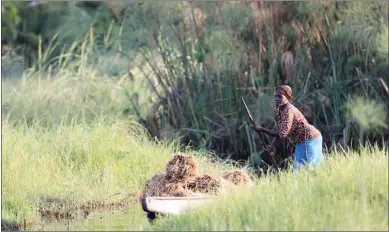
point(291, 122)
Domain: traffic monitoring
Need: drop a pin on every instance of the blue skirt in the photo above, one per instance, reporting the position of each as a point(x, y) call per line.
point(312, 158)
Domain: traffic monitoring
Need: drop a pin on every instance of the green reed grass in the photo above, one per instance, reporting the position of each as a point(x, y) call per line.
point(349, 193)
point(64, 97)
point(208, 111)
point(71, 86)
point(80, 162)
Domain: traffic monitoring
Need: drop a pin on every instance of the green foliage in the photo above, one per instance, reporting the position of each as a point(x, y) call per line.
point(382, 41)
point(189, 78)
point(10, 21)
point(234, 16)
point(367, 113)
point(78, 22)
point(199, 54)
point(209, 113)
point(364, 20)
point(354, 62)
point(68, 21)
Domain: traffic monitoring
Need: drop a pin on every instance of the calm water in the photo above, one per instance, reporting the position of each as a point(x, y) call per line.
point(118, 220)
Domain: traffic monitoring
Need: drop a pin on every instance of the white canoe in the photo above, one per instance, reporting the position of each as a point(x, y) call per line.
point(173, 205)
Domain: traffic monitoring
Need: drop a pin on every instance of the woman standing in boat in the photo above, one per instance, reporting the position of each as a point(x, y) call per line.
point(290, 122)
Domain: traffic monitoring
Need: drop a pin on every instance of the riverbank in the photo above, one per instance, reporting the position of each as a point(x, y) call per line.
point(68, 171)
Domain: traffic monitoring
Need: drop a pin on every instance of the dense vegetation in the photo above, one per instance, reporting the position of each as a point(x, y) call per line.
point(79, 76)
point(191, 63)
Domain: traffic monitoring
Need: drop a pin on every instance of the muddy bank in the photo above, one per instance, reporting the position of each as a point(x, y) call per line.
point(55, 209)
point(10, 226)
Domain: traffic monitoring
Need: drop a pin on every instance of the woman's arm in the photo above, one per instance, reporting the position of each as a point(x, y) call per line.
point(284, 126)
point(259, 129)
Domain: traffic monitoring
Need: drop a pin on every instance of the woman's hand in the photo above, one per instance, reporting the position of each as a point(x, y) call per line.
point(260, 129)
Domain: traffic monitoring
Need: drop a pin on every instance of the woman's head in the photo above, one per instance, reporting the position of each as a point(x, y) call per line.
point(283, 94)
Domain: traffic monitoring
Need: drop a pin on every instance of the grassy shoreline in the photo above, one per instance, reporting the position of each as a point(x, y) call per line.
point(84, 153)
point(348, 193)
point(81, 165)
point(90, 163)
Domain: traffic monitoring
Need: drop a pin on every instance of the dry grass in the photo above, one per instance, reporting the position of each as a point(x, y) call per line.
point(181, 168)
point(182, 180)
point(159, 186)
point(238, 177)
point(204, 184)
